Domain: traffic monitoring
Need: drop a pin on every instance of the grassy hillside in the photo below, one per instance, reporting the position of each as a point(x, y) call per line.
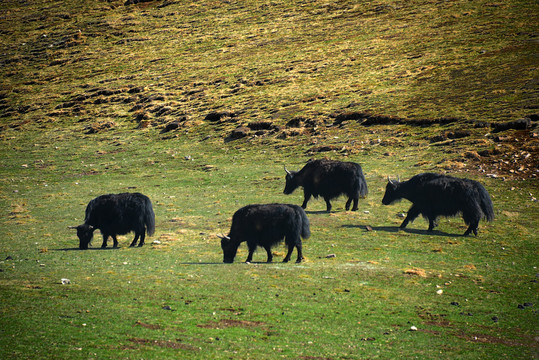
point(199, 105)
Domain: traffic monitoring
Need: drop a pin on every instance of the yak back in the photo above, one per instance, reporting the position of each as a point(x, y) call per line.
point(332, 178)
point(268, 223)
point(121, 213)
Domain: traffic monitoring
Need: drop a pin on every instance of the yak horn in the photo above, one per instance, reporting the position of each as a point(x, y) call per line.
point(71, 227)
point(288, 172)
point(223, 237)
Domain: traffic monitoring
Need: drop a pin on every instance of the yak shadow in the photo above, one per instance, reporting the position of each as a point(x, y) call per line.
point(91, 249)
point(202, 263)
point(236, 263)
point(396, 229)
point(314, 212)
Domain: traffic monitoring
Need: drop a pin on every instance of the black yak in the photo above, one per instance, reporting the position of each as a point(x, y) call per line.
point(266, 226)
point(433, 195)
point(329, 179)
point(117, 214)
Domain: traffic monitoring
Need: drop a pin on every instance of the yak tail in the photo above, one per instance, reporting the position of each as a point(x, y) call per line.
point(149, 217)
point(361, 184)
point(305, 226)
point(485, 203)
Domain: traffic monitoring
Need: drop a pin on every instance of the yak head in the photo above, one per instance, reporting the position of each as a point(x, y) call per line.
point(291, 182)
point(229, 249)
point(85, 233)
point(392, 192)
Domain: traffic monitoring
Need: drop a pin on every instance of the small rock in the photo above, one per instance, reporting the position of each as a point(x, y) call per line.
point(413, 328)
point(494, 318)
point(440, 292)
point(330, 256)
point(156, 242)
point(166, 307)
point(402, 215)
point(65, 281)
point(368, 228)
point(454, 303)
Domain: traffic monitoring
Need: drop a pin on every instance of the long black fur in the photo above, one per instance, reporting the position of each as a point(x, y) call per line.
point(266, 226)
point(433, 195)
point(329, 179)
point(117, 214)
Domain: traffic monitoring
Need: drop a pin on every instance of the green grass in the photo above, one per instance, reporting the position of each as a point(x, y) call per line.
point(266, 61)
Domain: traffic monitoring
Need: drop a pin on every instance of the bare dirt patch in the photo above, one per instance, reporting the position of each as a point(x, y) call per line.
point(490, 339)
point(225, 323)
point(148, 326)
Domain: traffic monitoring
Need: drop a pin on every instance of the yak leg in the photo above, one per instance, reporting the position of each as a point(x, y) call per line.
point(328, 204)
point(270, 255)
point(432, 224)
point(412, 214)
point(289, 253)
point(142, 237)
point(306, 198)
point(347, 206)
point(251, 252)
point(104, 244)
point(115, 241)
point(134, 242)
point(472, 228)
point(300, 253)
point(356, 200)
point(471, 218)
point(291, 245)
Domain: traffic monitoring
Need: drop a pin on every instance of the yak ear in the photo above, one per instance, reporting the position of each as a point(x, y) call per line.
point(288, 172)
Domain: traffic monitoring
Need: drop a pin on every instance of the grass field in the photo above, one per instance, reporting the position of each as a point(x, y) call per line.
point(199, 105)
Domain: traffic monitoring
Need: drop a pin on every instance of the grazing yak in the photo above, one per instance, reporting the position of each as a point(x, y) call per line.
point(265, 226)
point(117, 214)
point(329, 179)
point(433, 195)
